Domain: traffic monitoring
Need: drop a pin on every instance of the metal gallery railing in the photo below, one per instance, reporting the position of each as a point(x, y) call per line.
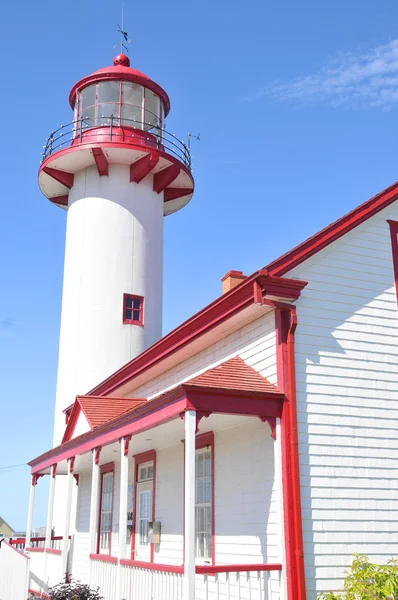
point(116, 129)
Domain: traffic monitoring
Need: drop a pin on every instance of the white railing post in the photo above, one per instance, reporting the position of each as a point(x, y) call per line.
point(189, 506)
point(124, 475)
point(65, 539)
point(279, 509)
point(93, 507)
point(50, 512)
point(30, 511)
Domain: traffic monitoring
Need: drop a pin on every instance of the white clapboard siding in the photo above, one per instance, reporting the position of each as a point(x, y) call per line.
point(347, 376)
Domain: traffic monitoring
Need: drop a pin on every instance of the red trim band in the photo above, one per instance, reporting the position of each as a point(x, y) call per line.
point(151, 566)
point(104, 558)
point(207, 570)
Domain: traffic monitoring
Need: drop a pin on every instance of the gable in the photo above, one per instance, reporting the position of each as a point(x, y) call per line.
point(81, 426)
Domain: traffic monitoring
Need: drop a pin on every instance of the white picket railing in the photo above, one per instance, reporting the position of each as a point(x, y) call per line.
point(246, 582)
point(151, 582)
point(104, 575)
point(165, 582)
point(14, 573)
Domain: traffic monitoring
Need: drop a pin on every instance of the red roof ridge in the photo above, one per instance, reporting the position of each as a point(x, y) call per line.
point(334, 231)
point(233, 374)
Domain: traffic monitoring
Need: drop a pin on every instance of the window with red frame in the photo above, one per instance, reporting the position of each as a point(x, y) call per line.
point(106, 508)
point(133, 309)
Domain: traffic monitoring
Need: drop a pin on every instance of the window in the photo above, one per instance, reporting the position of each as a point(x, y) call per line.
point(106, 507)
point(203, 505)
point(133, 309)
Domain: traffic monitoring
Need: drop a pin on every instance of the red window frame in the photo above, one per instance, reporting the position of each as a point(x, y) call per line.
point(206, 440)
point(139, 459)
point(104, 469)
point(394, 248)
point(132, 321)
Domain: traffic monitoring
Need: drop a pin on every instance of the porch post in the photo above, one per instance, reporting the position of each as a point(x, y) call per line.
point(92, 539)
point(30, 511)
point(65, 539)
point(50, 511)
point(189, 506)
point(124, 472)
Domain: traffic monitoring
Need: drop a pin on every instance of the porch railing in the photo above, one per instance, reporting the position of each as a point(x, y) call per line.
point(37, 543)
point(14, 573)
point(152, 581)
point(45, 564)
point(104, 574)
point(238, 582)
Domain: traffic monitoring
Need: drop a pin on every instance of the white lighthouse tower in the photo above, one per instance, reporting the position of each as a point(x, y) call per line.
point(117, 172)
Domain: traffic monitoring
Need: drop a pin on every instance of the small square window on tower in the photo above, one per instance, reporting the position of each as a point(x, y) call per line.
point(133, 309)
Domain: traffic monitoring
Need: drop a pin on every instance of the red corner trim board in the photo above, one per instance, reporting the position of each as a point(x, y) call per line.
point(285, 325)
point(394, 248)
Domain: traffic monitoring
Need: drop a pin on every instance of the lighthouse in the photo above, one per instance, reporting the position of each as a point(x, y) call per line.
point(117, 172)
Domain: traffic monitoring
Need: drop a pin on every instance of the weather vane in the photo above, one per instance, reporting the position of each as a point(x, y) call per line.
point(124, 38)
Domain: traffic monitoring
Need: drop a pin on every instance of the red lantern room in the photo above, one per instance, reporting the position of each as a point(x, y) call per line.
point(119, 116)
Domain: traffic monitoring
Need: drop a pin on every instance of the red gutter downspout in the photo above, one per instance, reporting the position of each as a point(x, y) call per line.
point(285, 325)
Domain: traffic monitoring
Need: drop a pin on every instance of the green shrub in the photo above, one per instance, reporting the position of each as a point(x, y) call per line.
point(368, 581)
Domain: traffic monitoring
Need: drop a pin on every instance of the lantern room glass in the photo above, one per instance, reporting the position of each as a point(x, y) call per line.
point(119, 103)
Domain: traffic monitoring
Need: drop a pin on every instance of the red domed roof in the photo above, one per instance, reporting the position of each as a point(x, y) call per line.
point(123, 73)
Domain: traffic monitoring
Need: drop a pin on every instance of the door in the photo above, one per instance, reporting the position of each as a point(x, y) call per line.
point(143, 512)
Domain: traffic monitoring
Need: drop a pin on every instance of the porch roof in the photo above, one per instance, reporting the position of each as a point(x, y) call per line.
point(231, 388)
point(99, 410)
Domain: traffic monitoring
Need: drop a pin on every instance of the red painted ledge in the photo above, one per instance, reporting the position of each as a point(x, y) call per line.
point(34, 549)
point(104, 558)
point(53, 551)
point(209, 570)
point(152, 566)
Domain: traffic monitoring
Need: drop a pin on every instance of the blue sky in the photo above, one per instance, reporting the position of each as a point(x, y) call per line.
point(296, 105)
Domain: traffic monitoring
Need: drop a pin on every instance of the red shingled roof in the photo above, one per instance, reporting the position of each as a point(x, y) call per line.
point(234, 374)
point(100, 409)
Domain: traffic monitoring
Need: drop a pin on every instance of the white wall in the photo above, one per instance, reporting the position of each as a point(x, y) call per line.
point(114, 245)
point(347, 376)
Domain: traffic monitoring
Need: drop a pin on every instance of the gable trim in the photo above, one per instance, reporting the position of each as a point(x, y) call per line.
point(333, 232)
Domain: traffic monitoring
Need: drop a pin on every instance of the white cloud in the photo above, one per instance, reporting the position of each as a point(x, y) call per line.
point(353, 80)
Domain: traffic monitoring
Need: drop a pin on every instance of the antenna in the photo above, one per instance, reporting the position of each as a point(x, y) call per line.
point(124, 37)
point(195, 137)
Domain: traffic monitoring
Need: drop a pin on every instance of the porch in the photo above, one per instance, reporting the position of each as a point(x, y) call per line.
point(179, 499)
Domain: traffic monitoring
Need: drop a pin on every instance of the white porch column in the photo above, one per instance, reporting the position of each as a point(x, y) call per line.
point(30, 511)
point(124, 474)
point(189, 506)
point(279, 505)
point(65, 539)
point(50, 511)
point(92, 539)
